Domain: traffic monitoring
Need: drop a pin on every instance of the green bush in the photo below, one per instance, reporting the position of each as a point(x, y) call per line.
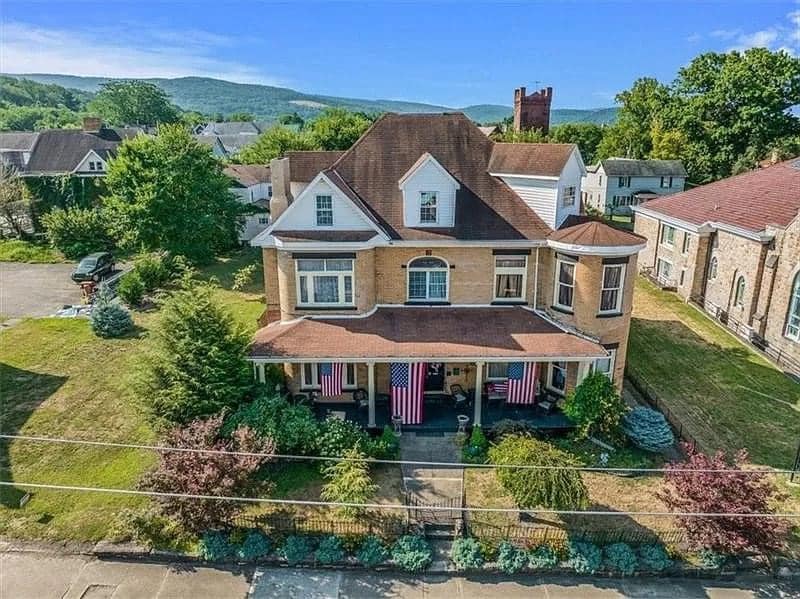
point(215, 546)
point(149, 528)
point(412, 553)
point(474, 452)
point(109, 319)
point(648, 429)
point(131, 288)
point(330, 550)
point(542, 557)
point(76, 232)
point(152, 270)
point(466, 554)
point(712, 559)
point(386, 446)
point(596, 407)
point(372, 552)
point(511, 559)
point(295, 549)
point(553, 488)
point(507, 426)
point(337, 436)
point(348, 481)
point(621, 558)
point(584, 558)
point(244, 277)
point(654, 558)
point(293, 428)
point(254, 546)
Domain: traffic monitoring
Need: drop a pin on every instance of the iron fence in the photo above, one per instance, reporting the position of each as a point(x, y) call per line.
point(532, 535)
point(285, 524)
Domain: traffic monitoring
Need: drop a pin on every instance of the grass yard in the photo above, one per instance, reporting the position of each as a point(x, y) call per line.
point(17, 250)
point(725, 394)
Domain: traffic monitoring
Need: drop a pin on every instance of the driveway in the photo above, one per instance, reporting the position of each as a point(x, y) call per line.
point(35, 289)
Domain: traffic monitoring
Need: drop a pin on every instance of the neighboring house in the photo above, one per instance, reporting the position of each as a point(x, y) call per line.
point(16, 148)
point(614, 185)
point(733, 247)
point(231, 128)
point(225, 146)
point(253, 188)
point(427, 247)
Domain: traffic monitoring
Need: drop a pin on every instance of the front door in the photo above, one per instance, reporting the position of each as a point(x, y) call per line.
point(434, 378)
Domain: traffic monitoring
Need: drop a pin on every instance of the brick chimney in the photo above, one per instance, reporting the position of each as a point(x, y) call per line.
point(532, 111)
point(281, 187)
point(92, 124)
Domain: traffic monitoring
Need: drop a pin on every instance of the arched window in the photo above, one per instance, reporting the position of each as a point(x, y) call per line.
point(793, 320)
point(427, 279)
point(738, 295)
point(712, 268)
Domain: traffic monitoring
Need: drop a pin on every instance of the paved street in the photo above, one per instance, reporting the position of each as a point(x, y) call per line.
point(53, 576)
point(35, 289)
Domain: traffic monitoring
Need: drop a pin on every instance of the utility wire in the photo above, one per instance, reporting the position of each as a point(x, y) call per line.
point(277, 456)
point(389, 506)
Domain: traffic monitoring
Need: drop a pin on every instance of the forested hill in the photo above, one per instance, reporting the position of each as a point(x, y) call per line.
point(214, 96)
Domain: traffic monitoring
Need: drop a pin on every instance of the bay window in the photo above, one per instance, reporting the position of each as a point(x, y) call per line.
point(509, 277)
point(611, 292)
point(564, 283)
point(324, 281)
point(427, 279)
point(606, 365)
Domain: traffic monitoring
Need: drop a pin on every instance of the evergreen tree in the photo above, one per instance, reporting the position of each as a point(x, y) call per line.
point(110, 319)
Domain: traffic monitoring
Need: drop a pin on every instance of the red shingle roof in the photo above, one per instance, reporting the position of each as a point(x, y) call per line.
point(305, 165)
point(542, 160)
point(750, 201)
point(597, 234)
point(248, 174)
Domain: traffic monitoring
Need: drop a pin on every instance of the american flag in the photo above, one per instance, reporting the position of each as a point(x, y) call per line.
point(499, 387)
point(330, 375)
point(521, 382)
point(408, 382)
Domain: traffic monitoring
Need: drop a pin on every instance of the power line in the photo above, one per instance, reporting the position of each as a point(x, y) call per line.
point(388, 506)
point(167, 449)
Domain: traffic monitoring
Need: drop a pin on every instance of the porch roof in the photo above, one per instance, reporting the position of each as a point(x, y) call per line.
point(411, 332)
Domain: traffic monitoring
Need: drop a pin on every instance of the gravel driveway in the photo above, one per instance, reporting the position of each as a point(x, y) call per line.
point(35, 289)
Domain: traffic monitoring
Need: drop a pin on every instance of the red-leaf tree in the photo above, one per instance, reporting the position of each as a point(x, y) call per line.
point(733, 490)
point(199, 473)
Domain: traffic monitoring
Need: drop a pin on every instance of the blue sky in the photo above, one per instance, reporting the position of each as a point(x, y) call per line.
point(449, 53)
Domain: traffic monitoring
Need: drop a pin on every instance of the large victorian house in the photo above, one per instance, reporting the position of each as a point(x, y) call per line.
point(429, 260)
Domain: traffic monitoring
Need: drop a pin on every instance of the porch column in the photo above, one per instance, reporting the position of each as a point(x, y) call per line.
point(478, 392)
point(371, 394)
point(262, 377)
point(584, 367)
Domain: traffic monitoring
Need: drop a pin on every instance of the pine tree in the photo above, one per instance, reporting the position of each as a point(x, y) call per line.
point(110, 319)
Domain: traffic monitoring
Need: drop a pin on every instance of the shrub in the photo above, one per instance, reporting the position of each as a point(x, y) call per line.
point(348, 482)
point(76, 232)
point(372, 552)
point(386, 446)
point(152, 270)
point(108, 318)
point(255, 545)
point(412, 553)
point(554, 488)
point(293, 428)
point(295, 549)
point(648, 429)
point(215, 546)
point(474, 452)
point(201, 473)
point(511, 559)
point(337, 436)
point(507, 426)
point(131, 289)
point(584, 558)
point(149, 528)
point(596, 407)
point(466, 553)
point(330, 550)
point(244, 277)
point(712, 559)
point(704, 484)
point(542, 557)
point(621, 558)
point(654, 558)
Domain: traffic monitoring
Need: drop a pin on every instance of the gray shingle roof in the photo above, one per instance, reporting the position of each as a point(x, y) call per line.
point(59, 151)
point(629, 167)
point(17, 140)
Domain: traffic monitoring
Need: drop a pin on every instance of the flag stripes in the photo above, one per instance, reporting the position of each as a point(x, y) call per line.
point(407, 382)
point(330, 374)
point(521, 383)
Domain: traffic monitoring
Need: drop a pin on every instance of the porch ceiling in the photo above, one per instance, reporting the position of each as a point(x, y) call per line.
point(423, 332)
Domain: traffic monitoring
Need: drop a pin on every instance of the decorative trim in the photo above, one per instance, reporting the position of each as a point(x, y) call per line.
point(618, 260)
point(597, 250)
point(511, 252)
point(567, 257)
point(323, 255)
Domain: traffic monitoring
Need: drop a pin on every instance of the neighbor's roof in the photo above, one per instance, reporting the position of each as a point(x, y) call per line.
point(17, 140)
point(751, 201)
point(596, 234)
point(248, 174)
point(629, 167)
point(304, 166)
point(61, 150)
point(231, 128)
point(543, 160)
point(424, 332)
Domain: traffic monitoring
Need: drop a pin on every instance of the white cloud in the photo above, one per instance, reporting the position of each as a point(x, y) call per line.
point(128, 51)
point(782, 36)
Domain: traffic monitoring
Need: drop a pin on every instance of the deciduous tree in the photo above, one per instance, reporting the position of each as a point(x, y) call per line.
point(133, 102)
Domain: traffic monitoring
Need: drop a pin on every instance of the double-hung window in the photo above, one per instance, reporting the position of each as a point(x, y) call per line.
point(497, 371)
point(325, 281)
point(606, 365)
point(624, 182)
point(793, 320)
point(557, 377)
point(686, 240)
point(612, 285)
point(666, 182)
point(509, 277)
point(568, 197)
point(667, 235)
point(324, 211)
point(664, 271)
point(427, 280)
point(428, 208)
point(564, 293)
point(311, 376)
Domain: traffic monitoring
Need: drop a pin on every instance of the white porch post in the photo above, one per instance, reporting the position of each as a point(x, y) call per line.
point(262, 377)
point(584, 367)
point(478, 392)
point(371, 394)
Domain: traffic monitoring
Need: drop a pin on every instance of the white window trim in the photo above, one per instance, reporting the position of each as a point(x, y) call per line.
point(317, 210)
point(671, 267)
point(617, 309)
point(427, 298)
point(315, 378)
point(496, 378)
point(435, 208)
point(661, 242)
point(571, 197)
point(310, 274)
point(686, 244)
point(794, 305)
point(557, 283)
point(510, 270)
point(612, 358)
point(550, 366)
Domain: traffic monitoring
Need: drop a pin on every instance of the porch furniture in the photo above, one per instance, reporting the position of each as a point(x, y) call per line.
point(495, 393)
point(339, 415)
point(361, 398)
point(463, 421)
point(459, 396)
point(397, 424)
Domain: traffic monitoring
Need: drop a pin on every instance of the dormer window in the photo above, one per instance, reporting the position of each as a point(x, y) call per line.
point(324, 211)
point(427, 208)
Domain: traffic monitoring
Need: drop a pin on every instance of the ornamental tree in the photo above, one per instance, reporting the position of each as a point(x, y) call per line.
point(596, 407)
point(735, 491)
point(348, 481)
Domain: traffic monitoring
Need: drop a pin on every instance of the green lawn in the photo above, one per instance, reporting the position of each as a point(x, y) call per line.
point(724, 393)
point(16, 250)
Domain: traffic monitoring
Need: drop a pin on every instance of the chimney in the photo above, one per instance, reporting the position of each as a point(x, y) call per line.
point(532, 111)
point(92, 124)
point(280, 176)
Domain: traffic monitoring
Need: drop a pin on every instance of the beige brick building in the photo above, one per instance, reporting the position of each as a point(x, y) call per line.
point(422, 261)
point(733, 247)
